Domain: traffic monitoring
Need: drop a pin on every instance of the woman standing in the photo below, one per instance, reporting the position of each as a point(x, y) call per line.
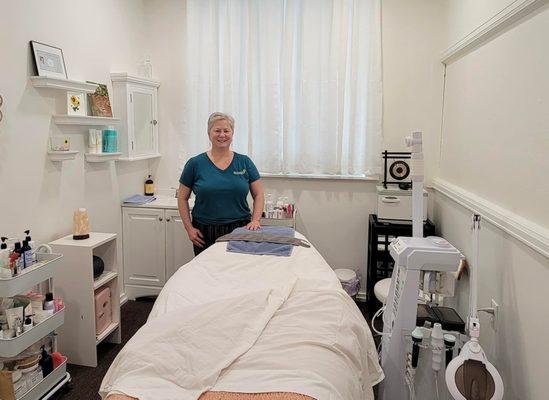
point(220, 180)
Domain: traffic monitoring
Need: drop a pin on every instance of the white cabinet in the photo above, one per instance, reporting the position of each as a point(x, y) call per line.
point(75, 284)
point(155, 246)
point(135, 102)
point(144, 247)
point(179, 249)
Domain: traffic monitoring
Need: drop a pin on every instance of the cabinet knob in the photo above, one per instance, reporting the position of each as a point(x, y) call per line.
point(168, 219)
point(154, 122)
point(160, 218)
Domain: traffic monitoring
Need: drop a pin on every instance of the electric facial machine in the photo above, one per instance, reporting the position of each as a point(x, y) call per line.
point(415, 257)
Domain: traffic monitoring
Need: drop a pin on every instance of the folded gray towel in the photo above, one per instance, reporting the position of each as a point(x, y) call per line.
point(263, 237)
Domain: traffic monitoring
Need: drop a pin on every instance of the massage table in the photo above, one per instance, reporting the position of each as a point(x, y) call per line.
point(249, 327)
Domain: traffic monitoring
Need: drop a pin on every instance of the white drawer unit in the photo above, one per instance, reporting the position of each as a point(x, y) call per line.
point(396, 204)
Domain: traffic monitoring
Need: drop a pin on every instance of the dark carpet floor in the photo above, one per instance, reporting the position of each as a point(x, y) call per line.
point(86, 381)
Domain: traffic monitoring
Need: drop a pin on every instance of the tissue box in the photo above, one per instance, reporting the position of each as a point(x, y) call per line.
point(103, 310)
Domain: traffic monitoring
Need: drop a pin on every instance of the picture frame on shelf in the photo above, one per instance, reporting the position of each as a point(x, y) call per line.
point(76, 103)
point(60, 143)
point(48, 60)
point(99, 102)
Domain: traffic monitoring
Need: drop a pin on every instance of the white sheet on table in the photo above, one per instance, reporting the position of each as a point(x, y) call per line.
point(238, 322)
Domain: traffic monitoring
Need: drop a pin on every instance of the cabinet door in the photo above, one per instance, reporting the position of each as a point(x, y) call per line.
point(143, 121)
point(144, 246)
point(179, 249)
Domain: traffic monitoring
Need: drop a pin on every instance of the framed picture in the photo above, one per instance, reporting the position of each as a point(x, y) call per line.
point(76, 103)
point(48, 60)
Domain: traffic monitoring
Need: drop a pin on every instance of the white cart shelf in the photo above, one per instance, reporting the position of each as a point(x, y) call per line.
point(44, 270)
point(75, 284)
point(46, 266)
point(14, 346)
point(51, 383)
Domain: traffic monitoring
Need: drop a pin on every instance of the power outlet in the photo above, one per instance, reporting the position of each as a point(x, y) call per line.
point(494, 317)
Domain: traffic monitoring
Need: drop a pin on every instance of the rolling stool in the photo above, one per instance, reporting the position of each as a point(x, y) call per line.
point(381, 290)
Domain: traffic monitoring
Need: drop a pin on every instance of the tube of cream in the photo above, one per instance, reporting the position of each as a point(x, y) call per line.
point(92, 142)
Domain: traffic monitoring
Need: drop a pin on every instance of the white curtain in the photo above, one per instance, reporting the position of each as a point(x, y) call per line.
point(302, 79)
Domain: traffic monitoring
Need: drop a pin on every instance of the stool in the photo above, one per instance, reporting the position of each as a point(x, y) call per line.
point(381, 289)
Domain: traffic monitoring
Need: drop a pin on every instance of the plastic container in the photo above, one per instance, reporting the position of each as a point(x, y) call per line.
point(32, 375)
point(349, 281)
point(103, 310)
point(110, 141)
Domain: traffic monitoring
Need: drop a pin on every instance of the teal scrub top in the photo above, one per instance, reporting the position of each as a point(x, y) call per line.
point(221, 195)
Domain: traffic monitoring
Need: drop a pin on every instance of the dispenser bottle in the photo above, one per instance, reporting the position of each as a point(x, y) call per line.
point(46, 362)
point(32, 244)
point(5, 271)
point(27, 254)
point(149, 187)
point(19, 262)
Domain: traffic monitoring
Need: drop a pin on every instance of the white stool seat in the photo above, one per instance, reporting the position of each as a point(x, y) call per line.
point(381, 289)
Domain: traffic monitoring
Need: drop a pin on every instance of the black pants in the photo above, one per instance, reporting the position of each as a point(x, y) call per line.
point(212, 232)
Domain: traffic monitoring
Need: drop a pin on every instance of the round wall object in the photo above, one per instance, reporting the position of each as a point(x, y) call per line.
point(399, 170)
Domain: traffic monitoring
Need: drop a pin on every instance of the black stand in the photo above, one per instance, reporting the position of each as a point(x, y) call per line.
point(380, 263)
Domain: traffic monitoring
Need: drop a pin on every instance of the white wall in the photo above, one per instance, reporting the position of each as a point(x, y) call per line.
point(494, 144)
point(97, 38)
point(412, 88)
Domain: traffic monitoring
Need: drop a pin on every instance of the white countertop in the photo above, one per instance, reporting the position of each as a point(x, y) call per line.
point(162, 201)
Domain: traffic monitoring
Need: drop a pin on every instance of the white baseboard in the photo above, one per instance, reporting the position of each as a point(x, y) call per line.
point(123, 298)
point(534, 236)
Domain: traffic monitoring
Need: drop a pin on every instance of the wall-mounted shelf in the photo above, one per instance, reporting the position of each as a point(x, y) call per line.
point(62, 155)
point(84, 120)
point(62, 84)
point(147, 157)
point(102, 157)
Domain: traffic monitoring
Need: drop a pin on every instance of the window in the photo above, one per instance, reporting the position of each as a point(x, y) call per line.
point(302, 79)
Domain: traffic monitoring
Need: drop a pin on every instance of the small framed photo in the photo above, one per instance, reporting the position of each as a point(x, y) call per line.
point(76, 103)
point(49, 60)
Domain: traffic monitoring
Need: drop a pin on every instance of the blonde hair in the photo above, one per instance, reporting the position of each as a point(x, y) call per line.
point(219, 116)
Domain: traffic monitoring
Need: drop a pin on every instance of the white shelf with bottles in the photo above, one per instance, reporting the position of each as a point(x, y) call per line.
point(44, 269)
point(62, 155)
point(46, 266)
point(62, 84)
point(50, 384)
point(84, 120)
point(12, 347)
point(101, 157)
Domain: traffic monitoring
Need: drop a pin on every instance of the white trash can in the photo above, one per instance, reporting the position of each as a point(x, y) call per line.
point(349, 281)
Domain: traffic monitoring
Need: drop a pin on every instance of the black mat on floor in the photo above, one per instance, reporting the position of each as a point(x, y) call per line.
point(86, 381)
